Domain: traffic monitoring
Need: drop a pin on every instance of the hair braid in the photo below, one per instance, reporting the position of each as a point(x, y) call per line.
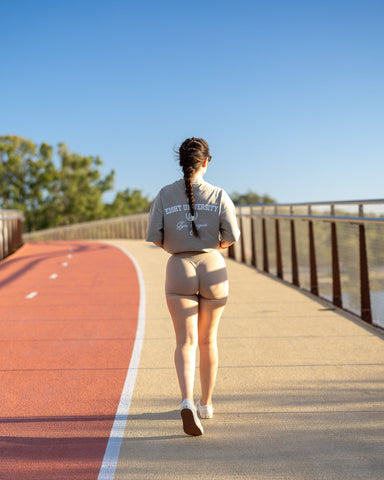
point(192, 154)
point(191, 200)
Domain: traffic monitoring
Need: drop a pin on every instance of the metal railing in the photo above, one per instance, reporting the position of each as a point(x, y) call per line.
point(11, 230)
point(130, 226)
point(334, 250)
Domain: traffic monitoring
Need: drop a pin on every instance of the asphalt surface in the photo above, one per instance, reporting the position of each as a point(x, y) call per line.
point(68, 319)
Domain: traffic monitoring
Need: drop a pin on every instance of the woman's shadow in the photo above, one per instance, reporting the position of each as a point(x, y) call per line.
point(155, 416)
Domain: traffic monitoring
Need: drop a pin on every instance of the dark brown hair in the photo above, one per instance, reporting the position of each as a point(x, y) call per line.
point(192, 153)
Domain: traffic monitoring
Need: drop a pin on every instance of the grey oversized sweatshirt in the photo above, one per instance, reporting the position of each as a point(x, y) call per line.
point(170, 218)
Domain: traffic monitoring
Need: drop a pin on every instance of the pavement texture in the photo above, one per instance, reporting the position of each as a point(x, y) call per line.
point(299, 394)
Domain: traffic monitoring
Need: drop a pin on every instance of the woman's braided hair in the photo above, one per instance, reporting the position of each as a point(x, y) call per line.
point(192, 153)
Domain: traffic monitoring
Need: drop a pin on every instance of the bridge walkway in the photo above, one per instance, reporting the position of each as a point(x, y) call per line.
point(299, 394)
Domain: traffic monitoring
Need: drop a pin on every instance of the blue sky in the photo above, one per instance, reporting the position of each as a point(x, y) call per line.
point(288, 94)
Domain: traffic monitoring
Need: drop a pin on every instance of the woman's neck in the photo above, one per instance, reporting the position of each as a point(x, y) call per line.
point(198, 176)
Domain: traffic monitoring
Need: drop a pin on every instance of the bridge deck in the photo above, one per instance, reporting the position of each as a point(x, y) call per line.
point(299, 395)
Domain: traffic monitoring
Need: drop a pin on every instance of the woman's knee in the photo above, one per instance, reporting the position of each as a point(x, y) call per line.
point(187, 342)
point(208, 341)
point(187, 339)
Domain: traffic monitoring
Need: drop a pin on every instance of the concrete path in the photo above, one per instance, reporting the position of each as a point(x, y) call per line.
point(299, 395)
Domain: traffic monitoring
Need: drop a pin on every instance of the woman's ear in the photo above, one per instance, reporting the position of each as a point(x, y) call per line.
point(205, 163)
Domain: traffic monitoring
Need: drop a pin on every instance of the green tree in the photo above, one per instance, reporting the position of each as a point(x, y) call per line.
point(127, 203)
point(80, 187)
point(27, 175)
point(13, 152)
point(51, 195)
point(250, 198)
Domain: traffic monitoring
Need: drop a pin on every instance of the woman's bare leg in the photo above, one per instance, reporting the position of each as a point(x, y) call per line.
point(210, 312)
point(184, 312)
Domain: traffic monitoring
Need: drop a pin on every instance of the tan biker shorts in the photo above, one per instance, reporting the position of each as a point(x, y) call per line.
point(195, 273)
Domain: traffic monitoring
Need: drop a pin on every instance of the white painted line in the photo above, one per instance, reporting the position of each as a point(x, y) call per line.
point(65, 264)
point(112, 451)
point(53, 276)
point(31, 295)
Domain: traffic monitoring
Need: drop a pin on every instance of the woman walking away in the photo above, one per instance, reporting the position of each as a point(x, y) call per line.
point(193, 220)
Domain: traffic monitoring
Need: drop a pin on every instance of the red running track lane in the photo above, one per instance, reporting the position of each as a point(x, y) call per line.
point(64, 356)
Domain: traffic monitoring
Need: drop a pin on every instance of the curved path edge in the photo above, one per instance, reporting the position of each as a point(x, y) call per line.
point(108, 467)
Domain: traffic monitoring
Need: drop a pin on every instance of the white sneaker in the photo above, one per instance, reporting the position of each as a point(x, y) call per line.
point(191, 422)
point(204, 411)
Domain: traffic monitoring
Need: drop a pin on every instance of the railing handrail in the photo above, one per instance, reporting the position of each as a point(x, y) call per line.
point(324, 218)
point(11, 214)
point(126, 226)
point(90, 223)
point(330, 203)
point(273, 241)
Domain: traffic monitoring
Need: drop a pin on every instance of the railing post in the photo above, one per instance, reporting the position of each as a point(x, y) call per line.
point(265, 247)
point(13, 235)
point(279, 263)
point(336, 283)
point(366, 311)
point(253, 243)
point(19, 232)
point(312, 260)
point(295, 270)
point(5, 238)
point(136, 230)
point(242, 243)
point(11, 232)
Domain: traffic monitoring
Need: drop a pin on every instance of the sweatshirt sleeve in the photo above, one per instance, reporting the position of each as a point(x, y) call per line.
point(155, 228)
point(229, 229)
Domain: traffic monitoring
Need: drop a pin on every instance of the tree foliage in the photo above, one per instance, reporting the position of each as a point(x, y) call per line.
point(80, 187)
point(250, 198)
point(127, 203)
point(67, 191)
point(59, 187)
